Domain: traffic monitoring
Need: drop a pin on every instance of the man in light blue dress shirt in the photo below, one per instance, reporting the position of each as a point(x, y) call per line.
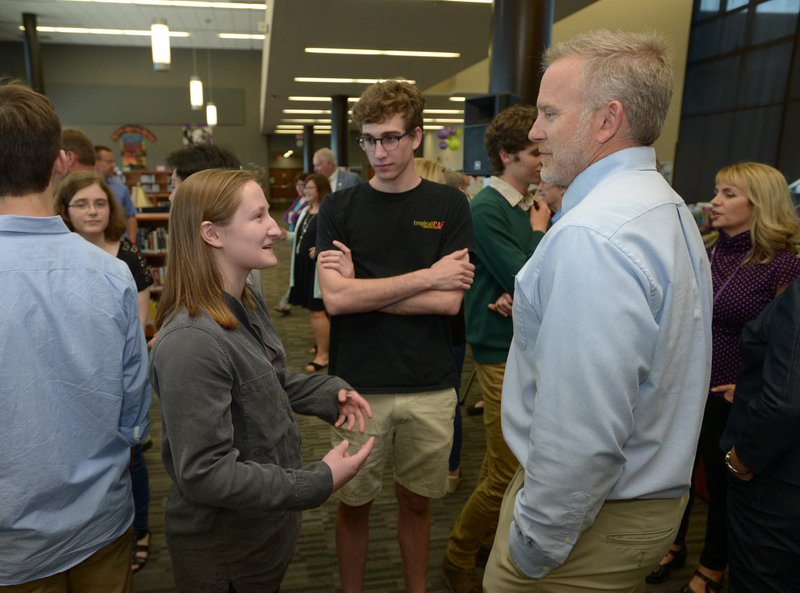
point(608, 371)
point(73, 380)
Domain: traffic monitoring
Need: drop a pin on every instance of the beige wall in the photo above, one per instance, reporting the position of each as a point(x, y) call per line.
point(671, 17)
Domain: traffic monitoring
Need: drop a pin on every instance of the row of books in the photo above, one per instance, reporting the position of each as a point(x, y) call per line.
point(152, 240)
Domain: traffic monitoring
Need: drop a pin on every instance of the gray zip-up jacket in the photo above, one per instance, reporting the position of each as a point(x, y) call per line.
point(232, 448)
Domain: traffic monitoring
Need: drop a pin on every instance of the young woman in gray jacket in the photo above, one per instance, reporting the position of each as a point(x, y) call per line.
point(230, 440)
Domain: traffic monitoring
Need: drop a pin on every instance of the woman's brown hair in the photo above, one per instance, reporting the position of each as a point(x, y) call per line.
point(193, 280)
point(75, 182)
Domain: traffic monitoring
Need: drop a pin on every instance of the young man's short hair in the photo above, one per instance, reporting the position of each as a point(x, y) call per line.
point(78, 143)
point(508, 131)
point(189, 160)
point(383, 100)
point(30, 138)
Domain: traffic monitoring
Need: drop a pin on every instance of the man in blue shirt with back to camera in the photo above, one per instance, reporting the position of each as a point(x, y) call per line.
point(73, 381)
point(608, 371)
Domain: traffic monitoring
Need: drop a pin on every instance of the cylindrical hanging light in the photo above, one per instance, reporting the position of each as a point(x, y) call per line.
point(159, 39)
point(196, 92)
point(211, 114)
point(195, 85)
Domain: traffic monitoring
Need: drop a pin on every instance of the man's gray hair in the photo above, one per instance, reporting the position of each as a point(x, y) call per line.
point(326, 154)
point(633, 68)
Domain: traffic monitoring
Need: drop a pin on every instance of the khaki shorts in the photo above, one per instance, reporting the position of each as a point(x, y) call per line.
point(416, 429)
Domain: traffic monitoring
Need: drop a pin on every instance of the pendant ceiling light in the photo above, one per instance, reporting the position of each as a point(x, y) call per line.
point(159, 39)
point(211, 107)
point(195, 86)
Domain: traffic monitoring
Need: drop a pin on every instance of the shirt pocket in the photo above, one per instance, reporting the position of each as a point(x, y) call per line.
point(268, 423)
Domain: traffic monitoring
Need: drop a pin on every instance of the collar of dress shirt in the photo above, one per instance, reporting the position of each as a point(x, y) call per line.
point(512, 196)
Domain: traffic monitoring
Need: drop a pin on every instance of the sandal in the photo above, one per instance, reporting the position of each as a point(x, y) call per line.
point(141, 552)
point(711, 584)
point(314, 367)
point(662, 572)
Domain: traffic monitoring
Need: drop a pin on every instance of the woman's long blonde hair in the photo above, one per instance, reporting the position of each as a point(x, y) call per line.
point(774, 225)
point(193, 279)
point(428, 169)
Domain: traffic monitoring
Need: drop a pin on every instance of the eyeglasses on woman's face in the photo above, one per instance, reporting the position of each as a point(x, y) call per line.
point(86, 204)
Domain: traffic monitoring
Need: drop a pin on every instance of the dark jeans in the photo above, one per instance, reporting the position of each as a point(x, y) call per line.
point(763, 535)
point(715, 553)
point(141, 492)
point(459, 351)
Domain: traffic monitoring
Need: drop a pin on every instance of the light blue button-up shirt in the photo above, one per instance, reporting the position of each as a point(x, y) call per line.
point(609, 367)
point(74, 397)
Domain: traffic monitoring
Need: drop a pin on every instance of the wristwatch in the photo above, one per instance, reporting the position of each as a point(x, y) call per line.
point(732, 469)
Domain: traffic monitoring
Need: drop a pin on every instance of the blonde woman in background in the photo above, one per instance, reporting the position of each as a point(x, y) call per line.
point(753, 258)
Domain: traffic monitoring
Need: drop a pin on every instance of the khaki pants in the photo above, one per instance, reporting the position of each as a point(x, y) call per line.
point(614, 554)
point(106, 571)
point(476, 525)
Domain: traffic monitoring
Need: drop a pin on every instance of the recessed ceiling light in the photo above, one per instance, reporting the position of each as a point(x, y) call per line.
point(300, 132)
point(184, 4)
point(87, 31)
point(445, 111)
point(383, 52)
point(306, 121)
point(308, 111)
point(320, 99)
point(441, 120)
point(457, 99)
point(240, 35)
point(347, 80)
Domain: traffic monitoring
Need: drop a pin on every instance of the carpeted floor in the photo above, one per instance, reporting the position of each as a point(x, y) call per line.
point(314, 567)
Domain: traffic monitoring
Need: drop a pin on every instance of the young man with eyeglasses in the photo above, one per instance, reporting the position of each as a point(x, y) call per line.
point(393, 266)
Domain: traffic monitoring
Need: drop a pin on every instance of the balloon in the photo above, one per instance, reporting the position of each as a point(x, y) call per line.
point(442, 134)
point(443, 144)
point(454, 143)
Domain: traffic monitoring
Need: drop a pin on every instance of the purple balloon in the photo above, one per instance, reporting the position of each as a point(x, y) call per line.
point(443, 144)
point(443, 134)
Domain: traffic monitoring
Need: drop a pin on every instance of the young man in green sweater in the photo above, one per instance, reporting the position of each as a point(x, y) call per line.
point(508, 225)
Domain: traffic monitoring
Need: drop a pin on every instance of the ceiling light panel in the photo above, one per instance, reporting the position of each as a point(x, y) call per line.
point(320, 99)
point(182, 4)
point(382, 52)
point(87, 31)
point(345, 80)
point(308, 111)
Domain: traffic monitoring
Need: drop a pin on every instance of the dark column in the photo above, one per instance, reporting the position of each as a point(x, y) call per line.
point(308, 148)
point(522, 31)
point(33, 53)
point(339, 129)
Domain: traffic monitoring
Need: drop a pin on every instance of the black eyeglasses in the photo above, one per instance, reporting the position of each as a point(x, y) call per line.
point(389, 141)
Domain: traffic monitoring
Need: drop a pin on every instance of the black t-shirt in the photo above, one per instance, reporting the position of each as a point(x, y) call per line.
point(389, 235)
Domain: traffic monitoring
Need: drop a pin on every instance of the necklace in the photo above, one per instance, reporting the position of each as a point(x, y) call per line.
point(303, 229)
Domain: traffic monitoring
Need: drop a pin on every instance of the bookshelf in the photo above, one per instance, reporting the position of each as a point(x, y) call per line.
point(151, 238)
point(155, 184)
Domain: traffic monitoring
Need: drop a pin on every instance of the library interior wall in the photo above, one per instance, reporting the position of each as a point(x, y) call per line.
point(99, 88)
